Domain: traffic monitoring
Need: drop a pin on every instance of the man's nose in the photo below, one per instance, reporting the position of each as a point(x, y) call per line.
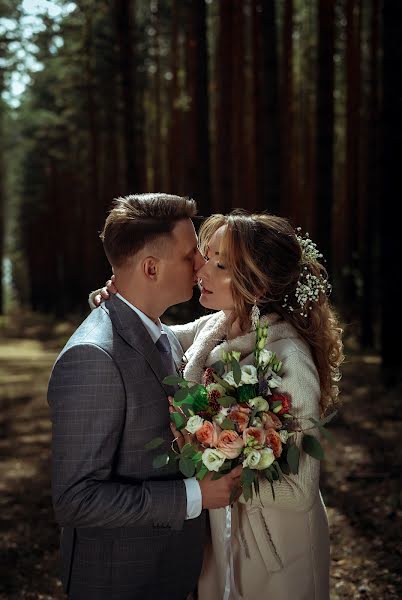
point(199, 261)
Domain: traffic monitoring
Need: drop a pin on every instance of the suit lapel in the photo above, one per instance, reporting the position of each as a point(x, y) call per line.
point(131, 329)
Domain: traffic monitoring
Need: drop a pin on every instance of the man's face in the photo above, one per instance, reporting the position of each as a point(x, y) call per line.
point(179, 265)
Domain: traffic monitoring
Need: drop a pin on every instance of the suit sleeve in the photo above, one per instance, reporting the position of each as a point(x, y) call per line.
point(298, 492)
point(87, 401)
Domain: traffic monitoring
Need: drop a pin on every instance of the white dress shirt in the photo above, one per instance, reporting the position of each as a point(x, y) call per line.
point(193, 490)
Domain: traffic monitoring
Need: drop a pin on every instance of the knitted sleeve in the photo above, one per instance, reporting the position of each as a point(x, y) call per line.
point(187, 332)
point(297, 492)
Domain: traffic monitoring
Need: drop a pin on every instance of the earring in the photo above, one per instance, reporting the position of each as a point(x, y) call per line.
point(255, 315)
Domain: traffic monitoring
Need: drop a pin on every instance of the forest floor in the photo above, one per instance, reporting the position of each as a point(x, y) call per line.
point(361, 475)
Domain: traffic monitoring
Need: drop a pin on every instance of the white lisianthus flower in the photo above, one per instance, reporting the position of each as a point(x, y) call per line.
point(194, 423)
point(267, 458)
point(284, 435)
point(215, 387)
point(259, 403)
point(275, 380)
point(252, 459)
point(228, 377)
point(249, 374)
point(264, 357)
point(213, 459)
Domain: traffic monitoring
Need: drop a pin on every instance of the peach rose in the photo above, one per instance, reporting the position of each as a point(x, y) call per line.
point(255, 433)
point(270, 420)
point(240, 418)
point(274, 441)
point(208, 434)
point(230, 443)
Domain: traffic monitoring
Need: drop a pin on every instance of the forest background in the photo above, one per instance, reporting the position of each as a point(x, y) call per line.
point(286, 106)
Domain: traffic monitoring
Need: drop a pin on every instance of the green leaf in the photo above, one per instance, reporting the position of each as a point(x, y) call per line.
point(236, 371)
point(175, 380)
point(201, 471)
point(293, 457)
point(181, 396)
point(200, 397)
point(227, 424)
point(247, 476)
point(247, 391)
point(312, 446)
point(160, 461)
point(278, 469)
point(328, 418)
point(233, 494)
point(188, 451)
point(178, 420)
point(285, 468)
point(327, 434)
point(222, 382)
point(155, 443)
point(196, 457)
point(247, 492)
point(226, 401)
point(219, 367)
point(186, 466)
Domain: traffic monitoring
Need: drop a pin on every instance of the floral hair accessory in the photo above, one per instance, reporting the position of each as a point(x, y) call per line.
point(309, 286)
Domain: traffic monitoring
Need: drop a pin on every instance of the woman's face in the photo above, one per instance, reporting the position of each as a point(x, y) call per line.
point(214, 277)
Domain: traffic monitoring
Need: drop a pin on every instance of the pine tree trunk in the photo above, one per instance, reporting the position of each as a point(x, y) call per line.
point(325, 129)
point(269, 140)
point(224, 109)
point(391, 210)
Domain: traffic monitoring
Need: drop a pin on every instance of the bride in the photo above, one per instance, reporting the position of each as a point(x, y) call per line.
point(280, 547)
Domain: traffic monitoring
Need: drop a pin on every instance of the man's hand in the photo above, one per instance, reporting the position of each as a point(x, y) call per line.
point(216, 493)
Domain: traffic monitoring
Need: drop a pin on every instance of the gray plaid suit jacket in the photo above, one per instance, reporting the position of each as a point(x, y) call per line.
point(124, 533)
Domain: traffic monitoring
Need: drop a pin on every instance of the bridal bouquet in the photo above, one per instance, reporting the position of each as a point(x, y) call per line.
point(237, 417)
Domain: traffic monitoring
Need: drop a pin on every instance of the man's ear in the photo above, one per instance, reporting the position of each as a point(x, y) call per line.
point(150, 267)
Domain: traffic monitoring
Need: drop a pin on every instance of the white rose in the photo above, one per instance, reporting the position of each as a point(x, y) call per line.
point(267, 458)
point(213, 459)
point(259, 403)
point(252, 459)
point(249, 374)
point(264, 357)
point(284, 435)
point(215, 387)
point(194, 423)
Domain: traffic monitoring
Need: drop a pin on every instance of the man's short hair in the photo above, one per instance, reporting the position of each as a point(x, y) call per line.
point(140, 219)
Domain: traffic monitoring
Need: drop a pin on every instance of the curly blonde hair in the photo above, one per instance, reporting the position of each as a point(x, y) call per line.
point(265, 259)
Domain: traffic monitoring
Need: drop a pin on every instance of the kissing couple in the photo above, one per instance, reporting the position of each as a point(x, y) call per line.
point(130, 531)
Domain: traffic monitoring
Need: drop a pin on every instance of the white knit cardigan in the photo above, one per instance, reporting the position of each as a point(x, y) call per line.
point(202, 344)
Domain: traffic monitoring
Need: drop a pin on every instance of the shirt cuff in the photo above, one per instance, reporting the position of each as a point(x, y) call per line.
point(194, 498)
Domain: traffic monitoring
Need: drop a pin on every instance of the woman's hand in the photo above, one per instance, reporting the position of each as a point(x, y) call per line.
point(182, 437)
point(105, 292)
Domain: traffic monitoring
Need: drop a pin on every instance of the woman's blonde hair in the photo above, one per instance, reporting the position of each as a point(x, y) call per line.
point(265, 260)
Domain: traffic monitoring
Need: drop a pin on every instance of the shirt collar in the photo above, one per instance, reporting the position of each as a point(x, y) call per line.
point(154, 329)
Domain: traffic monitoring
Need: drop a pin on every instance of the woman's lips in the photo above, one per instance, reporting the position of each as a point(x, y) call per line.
point(205, 291)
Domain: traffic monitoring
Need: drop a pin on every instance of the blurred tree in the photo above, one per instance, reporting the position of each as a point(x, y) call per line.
point(325, 128)
point(391, 209)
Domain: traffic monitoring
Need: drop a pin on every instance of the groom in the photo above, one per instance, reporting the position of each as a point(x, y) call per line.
point(129, 531)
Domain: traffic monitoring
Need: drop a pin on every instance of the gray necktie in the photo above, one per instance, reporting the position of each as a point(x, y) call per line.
point(165, 352)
